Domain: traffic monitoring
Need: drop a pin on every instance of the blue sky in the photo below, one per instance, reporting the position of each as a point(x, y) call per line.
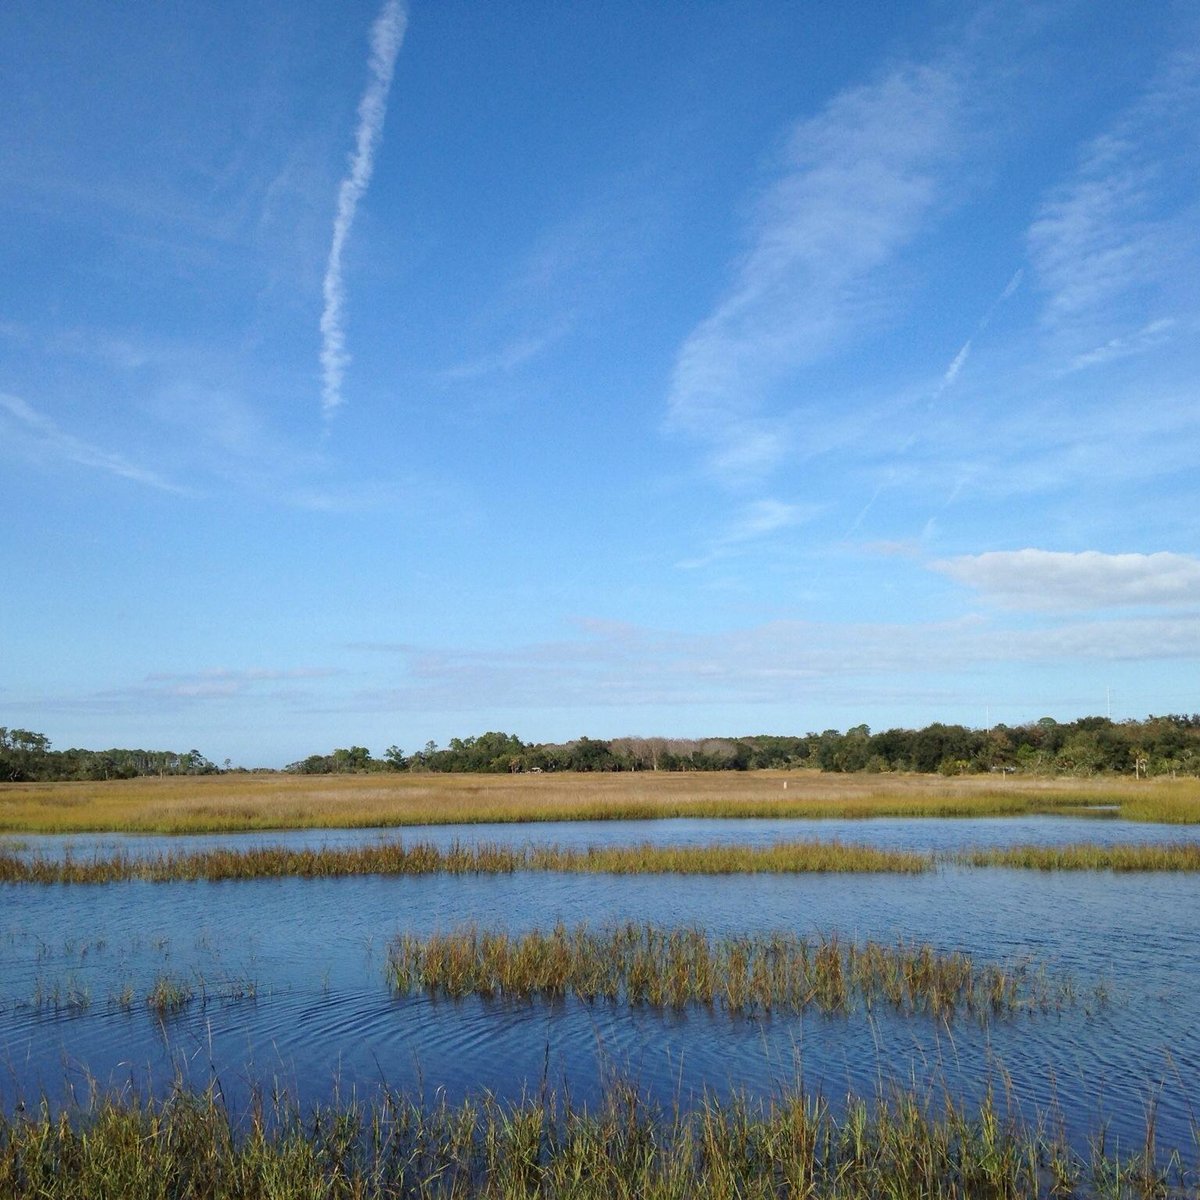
point(376, 375)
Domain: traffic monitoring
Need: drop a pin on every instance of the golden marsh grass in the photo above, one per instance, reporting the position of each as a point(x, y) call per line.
point(220, 803)
point(1083, 856)
point(423, 858)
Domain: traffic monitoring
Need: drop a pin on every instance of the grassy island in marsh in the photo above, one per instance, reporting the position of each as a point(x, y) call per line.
point(1085, 856)
point(227, 803)
point(486, 858)
point(423, 858)
point(676, 968)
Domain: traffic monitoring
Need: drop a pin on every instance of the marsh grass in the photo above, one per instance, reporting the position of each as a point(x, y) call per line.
point(900, 1145)
point(1083, 856)
point(219, 803)
point(169, 995)
point(423, 858)
point(172, 994)
point(641, 964)
point(782, 858)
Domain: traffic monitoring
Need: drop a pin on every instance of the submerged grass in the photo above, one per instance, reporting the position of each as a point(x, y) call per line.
point(641, 964)
point(423, 858)
point(61, 996)
point(900, 1145)
point(167, 995)
point(221, 803)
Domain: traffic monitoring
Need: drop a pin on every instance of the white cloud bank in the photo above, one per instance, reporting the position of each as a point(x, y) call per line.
point(387, 34)
point(1050, 580)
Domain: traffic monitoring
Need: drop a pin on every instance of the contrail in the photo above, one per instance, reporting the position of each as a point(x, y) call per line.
point(1012, 285)
point(951, 372)
point(953, 369)
point(386, 35)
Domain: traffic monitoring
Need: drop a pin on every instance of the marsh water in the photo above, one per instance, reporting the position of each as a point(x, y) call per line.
point(289, 986)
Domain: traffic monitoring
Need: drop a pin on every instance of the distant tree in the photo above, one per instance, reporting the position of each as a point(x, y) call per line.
point(590, 755)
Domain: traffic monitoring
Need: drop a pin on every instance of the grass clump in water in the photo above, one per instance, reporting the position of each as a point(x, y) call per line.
point(903, 1146)
point(169, 995)
point(675, 968)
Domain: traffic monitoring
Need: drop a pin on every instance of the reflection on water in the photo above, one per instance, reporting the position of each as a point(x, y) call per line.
point(322, 1016)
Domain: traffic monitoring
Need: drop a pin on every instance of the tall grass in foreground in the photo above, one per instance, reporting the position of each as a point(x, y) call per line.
point(423, 858)
point(217, 803)
point(675, 968)
point(901, 1146)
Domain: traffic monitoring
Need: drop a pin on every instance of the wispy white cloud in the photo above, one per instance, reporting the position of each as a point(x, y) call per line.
point(1054, 580)
point(757, 521)
point(416, 493)
point(573, 271)
point(858, 181)
point(43, 437)
point(1149, 337)
point(386, 36)
point(219, 689)
point(192, 398)
point(1110, 242)
point(779, 662)
point(765, 517)
point(221, 683)
point(794, 665)
point(1017, 460)
point(507, 359)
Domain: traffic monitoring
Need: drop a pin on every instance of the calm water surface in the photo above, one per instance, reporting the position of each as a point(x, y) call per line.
point(322, 1015)
point(894, 833)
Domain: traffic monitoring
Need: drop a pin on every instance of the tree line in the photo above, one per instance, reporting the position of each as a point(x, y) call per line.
point(1088, 746)
point(26, 757)
point(1159, 745)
